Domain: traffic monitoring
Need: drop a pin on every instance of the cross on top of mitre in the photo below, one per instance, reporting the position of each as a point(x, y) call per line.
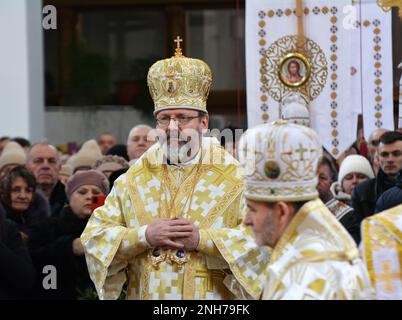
point(178, 52)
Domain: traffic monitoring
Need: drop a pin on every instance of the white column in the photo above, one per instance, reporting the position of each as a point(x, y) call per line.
point(21, 69)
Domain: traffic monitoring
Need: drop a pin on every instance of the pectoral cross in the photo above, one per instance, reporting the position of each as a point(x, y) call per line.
point(301, 150)
point(300, 30)
point(178, 52)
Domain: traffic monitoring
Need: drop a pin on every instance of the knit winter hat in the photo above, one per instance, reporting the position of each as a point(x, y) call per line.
point(111, 163)
point(87, 156)
point(355, 163)
point(90, 177)
point(12, 153)
point(66, 170)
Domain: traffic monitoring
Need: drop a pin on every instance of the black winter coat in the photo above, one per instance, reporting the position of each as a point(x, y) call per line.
point(26, 221)
point(390, 198)
point(366, 194)
point(58, 199)
point(52, 244)
point(17, 274)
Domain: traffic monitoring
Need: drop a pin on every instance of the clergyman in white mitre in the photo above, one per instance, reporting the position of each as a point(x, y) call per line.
point(313, 256)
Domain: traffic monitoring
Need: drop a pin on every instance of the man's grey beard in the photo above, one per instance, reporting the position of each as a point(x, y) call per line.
point(175, 154)
point(181, 153)
point(178, 151)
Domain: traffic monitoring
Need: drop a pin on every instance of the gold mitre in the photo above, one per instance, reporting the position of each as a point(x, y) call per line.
point(280, 160)
point(179, 82)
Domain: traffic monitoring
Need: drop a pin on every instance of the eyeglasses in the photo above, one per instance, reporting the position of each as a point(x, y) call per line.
point(181, 120)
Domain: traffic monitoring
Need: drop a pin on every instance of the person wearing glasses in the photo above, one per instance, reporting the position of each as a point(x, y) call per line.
point(366, 194)
point(171, 226)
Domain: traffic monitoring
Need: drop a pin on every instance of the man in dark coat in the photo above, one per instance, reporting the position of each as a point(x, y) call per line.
point(44, 162)
point(366, 194)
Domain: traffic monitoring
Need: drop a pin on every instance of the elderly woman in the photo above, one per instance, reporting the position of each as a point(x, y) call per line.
point(22, 205)
point(57, 240)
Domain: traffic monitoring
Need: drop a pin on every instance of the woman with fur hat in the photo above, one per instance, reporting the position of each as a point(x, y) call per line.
point(57, 241)
point(86, 158)
point(12, 156)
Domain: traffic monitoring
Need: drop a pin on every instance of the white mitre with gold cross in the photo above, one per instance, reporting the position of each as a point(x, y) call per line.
point(280, 160)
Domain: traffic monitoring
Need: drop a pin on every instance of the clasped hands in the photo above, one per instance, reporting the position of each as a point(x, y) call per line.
point(174, 234)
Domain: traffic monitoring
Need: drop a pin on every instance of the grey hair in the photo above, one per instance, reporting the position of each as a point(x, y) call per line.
point(139, 126)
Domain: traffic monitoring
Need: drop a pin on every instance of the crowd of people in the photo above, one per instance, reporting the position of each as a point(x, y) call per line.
point(173, 215)
point(45, 201)
point(45, 204)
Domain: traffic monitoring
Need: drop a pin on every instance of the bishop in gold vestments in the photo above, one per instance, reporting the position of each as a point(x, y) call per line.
point(206, 190)
point(313, 256)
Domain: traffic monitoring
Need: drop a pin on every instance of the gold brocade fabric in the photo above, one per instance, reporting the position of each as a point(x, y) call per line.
point(179, 82)
point(210, 196)
point(382, 251)
point(316, 259)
